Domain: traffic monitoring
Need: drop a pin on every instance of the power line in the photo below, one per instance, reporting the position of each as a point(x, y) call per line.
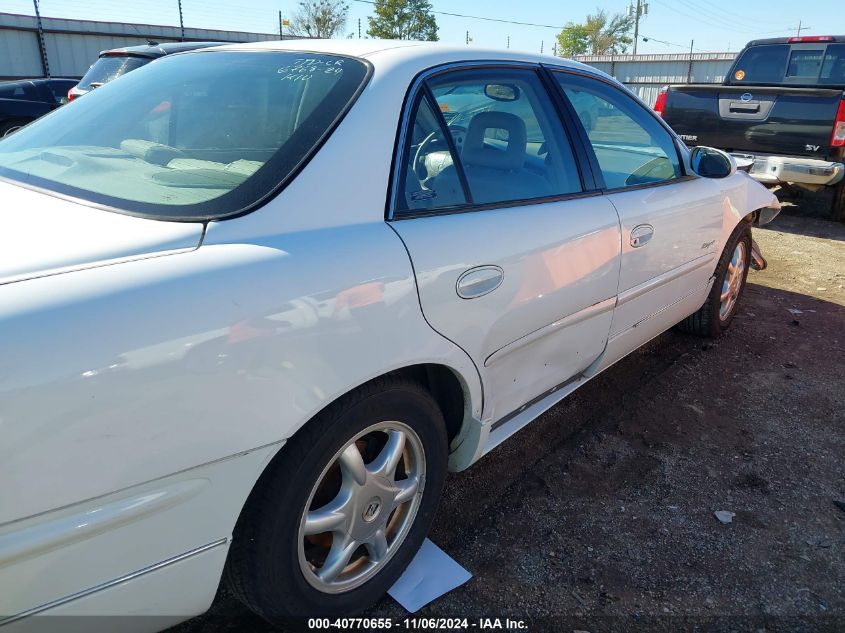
point(481, 17)
point(646, 38)
point(702, 18)
point(720, 16)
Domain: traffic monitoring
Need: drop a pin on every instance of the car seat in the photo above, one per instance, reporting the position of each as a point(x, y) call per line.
point(494, 173)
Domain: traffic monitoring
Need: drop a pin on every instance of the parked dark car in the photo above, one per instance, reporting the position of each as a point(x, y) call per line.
point(116, 62)
point(782, 105)
point(27, 99)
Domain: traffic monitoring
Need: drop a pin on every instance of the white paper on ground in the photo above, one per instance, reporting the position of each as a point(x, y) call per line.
point(431, 574)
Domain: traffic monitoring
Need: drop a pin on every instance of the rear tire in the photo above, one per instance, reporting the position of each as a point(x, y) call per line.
point(282, 576)
point(715, 316)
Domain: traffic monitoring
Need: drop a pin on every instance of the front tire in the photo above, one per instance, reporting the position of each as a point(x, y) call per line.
point(715, 316)
point(343, 508)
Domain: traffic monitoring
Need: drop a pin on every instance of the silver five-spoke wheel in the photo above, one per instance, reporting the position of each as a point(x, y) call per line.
point(732, 283)
point(362, 507)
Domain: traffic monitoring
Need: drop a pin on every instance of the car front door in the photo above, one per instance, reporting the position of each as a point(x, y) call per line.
point(517, 259)
point(671, 221)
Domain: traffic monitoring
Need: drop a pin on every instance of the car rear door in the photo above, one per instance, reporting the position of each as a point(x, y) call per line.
point(516, 254)
point(671, 222)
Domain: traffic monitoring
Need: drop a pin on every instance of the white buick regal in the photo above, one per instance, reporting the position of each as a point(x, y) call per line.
point(255, 301)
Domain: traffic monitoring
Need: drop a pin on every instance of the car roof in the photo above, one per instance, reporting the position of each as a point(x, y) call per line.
point(154, 50)
point(383, 52)
point(787, 40)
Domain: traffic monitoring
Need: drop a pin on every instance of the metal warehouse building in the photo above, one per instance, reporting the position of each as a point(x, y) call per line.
point(69, 47)
point(645, 74)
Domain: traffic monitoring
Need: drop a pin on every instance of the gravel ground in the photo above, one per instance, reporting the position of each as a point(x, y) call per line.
point(600, 515)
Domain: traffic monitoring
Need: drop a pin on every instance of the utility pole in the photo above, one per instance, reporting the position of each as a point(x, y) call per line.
point(689, 68)
point(637, 12)
point(181, 22)
point(801, 28)
point(467, 37)
point(42, 48)
point(359, 28)
point(509, 41)
point(541, 46)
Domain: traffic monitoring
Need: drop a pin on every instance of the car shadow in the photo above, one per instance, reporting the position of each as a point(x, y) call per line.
point(807, 213)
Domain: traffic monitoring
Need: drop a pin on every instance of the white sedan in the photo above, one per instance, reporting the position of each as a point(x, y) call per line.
point(256, 300)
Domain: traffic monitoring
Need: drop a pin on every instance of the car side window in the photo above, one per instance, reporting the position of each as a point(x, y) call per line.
point(631, 146)
point(428, 178)
point(511, 143)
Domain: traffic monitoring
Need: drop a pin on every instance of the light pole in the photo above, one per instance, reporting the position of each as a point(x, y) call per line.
point(637, 12)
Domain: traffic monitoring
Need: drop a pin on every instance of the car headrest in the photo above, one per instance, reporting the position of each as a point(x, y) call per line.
point(513, 156)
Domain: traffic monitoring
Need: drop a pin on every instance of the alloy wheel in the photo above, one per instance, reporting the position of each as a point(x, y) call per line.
point(361, 508)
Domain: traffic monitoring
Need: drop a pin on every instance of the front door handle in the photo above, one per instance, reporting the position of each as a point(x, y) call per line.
point(641, 235)
point(479, 281)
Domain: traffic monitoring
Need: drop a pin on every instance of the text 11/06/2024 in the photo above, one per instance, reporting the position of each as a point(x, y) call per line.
point(418, 624)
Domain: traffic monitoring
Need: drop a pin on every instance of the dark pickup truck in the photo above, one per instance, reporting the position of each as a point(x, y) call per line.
point(25, 100)
point(782, 106)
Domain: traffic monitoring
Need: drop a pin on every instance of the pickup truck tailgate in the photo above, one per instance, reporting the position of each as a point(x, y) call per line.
point(755, 119)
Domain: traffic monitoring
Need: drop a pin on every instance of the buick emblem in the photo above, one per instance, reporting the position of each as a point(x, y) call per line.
point(372, 509)
point(746, 97)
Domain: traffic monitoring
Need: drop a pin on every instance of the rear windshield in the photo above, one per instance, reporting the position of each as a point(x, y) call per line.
point(17, 90)
point(782, 64)
point(193, 136)
point(109, 68)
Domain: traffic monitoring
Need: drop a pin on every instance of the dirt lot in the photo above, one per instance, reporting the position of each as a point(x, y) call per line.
point(600, 515)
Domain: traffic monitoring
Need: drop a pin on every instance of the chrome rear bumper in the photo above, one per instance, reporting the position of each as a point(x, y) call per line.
point(773, 170)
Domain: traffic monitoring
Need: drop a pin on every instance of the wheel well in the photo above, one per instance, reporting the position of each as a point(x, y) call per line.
point(445, 387)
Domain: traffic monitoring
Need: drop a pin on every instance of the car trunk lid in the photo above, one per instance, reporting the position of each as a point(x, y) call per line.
point(43, 235)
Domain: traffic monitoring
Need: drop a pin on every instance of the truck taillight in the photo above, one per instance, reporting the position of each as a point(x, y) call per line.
point(837, 139)
point(660, 104)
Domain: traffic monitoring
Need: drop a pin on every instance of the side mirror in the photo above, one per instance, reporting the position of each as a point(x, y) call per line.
point(712, 163)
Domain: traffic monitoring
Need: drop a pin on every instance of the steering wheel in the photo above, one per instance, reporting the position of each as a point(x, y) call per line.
point(458, 133)
point(658, 168)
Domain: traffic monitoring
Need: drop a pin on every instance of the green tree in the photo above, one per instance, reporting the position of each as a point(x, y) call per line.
point(573, 40)
point(600, 34)
point(320, 18)
point(403, 20)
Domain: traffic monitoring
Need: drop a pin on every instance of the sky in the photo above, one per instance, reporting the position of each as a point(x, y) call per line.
point(671, 26)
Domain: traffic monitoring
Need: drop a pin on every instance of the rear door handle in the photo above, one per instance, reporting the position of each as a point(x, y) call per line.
point(479, 281)
point(641, 235)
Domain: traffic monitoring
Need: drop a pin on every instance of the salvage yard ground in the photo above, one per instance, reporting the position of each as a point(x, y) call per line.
point(600, 515)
